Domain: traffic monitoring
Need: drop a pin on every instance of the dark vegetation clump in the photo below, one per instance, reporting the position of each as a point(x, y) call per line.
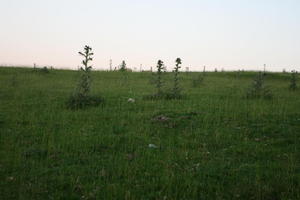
point(44, 70)
point(81, 97)
point(258, 88)
point(293, 81)
point(123, 67)
point(79, 101)
point(124, 71)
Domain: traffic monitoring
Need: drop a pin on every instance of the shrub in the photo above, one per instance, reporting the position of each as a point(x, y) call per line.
point(258, 88)
point(78, 101)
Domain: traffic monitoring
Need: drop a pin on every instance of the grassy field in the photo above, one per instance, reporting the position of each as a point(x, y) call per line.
point(213, 144)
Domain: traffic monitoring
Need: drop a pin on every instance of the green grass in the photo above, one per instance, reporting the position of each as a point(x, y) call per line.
point(215, 143)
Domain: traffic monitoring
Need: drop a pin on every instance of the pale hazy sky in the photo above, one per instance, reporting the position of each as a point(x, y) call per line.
point(231, 34)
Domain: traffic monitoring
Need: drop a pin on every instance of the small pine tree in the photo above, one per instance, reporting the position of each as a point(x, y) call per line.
point(293, 83)
point(81, 97)
point(83, 88)
point(123, 66)
point(258, 88)
point(159, 83)
point(176, 91)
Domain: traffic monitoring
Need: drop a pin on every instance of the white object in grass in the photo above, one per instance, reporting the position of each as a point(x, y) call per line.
point(131, 100)
point(152, 146)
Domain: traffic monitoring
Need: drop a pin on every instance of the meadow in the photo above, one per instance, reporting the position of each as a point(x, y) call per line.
point(212, 144)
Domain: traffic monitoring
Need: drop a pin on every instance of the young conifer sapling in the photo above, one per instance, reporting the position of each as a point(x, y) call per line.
point(159, 83)
point(81, 96)
point(176, 88)
point(258, 88)
point(83, 88)
point(123, 66)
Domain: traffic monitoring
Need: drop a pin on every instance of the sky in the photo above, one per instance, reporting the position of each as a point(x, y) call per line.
point(228, 34)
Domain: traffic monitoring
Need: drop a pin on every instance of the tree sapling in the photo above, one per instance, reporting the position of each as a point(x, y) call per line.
point(81, 96)
point(258, 88)
point(159, 83)
point(176, 90)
